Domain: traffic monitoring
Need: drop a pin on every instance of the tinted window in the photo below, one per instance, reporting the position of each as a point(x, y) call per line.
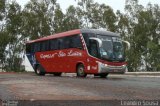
point(66, 42)
point(47, 44)
point(28, 48)
point(93, 48)
point(43, 46)
point(70, 42)
point(32, 48)
point(75, 41)
point(36, 47)
point(54, 44)
point(61, 43)
point(86, 37)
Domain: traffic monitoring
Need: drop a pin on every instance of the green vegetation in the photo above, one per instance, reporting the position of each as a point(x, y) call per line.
point(138, 24)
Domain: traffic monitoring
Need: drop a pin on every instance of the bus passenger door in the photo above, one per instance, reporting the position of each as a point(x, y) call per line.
point(93, 52)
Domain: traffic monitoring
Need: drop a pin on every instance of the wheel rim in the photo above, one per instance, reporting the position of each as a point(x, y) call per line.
point(81, 71)
point(38, 70)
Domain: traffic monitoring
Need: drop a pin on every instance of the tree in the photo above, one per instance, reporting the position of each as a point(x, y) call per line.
point(109, 18)
point(4, 40)
point(153, 44)
point(13, 29)
point(71, 19)
point(143, 23)
point(2, 9)
point(58, 23)
point(37, 18)
point(95, 15)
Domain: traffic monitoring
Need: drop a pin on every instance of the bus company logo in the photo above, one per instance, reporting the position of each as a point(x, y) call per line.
point(47, 56)
point(75, 53)
point(60, 54)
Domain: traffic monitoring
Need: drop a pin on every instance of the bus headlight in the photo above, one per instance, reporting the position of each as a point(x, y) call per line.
point(102, 64)
point(124, 66)
point(106, 65)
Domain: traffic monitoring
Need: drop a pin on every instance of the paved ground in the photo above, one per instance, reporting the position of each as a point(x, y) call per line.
point(28, 86)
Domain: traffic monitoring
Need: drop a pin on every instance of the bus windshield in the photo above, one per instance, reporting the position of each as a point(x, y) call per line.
point(111, 49)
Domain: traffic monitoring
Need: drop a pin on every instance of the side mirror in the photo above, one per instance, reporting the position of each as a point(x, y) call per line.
point(128, 44)
point(98, 40)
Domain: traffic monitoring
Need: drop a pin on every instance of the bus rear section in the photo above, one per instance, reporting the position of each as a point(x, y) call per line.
point(81, 51)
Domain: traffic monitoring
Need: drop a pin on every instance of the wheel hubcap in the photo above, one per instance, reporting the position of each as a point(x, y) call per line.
point(81, 71)
point(38, 71)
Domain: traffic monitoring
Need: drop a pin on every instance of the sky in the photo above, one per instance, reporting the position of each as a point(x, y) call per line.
point(115, 4)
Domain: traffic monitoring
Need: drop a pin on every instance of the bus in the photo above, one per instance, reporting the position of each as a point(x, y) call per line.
point(80, 51)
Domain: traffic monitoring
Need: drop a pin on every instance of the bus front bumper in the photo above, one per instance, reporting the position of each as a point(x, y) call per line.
point(104, 68)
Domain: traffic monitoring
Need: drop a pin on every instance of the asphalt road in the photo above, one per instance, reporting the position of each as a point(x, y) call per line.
point(30, 87)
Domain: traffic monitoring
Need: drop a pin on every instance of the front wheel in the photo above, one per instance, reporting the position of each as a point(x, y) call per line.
point(80, 71)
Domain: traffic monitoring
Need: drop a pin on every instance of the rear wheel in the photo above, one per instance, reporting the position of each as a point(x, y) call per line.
point(57, 74)
point(39, 71)
point(80, 71)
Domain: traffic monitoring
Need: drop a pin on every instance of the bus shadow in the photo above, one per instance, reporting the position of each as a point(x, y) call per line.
point(113, 78)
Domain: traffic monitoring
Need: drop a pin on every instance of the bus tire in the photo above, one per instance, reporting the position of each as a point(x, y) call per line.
point(57, 74)
point(80, 71)
point(103, 75)
point(39, 71)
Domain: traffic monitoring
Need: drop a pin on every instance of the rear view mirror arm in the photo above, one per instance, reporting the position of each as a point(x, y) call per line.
point(128, 44)
point(98, 40)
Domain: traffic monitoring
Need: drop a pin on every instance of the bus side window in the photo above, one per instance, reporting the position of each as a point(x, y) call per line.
point(76, 42)
point(61, 43)
point(36, 47)
point(86, 37)
point(47, 44)
point(71, 42)
point(66, 41)
point(32, 48)
point(93, 48)
point(54, 44)
point(28, 48)
point(43, 46)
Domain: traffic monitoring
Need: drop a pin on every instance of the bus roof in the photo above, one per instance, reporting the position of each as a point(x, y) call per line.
point(73, 32)
point(58, 35)
point(99, 32)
